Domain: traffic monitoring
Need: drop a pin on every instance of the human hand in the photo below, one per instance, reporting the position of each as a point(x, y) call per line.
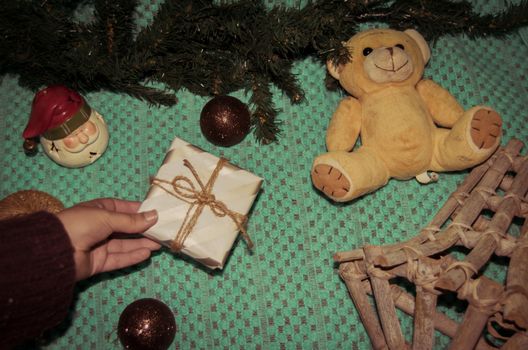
point(90, 225)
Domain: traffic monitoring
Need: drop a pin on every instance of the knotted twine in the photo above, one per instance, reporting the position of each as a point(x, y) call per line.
point(184, 189)
point(419, 272)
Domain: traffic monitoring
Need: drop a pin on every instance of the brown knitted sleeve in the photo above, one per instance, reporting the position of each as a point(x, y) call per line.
point(37, 276)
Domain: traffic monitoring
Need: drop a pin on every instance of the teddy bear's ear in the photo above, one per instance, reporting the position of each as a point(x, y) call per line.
point(335, 71)
point(422, 44)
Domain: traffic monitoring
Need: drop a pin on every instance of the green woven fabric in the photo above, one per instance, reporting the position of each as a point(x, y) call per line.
point(285, 294)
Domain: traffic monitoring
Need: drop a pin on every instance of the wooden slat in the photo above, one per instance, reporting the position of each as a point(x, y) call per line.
point(424, 313)
point(516, 304)
point(476, 317)
point(384, 304)
point(366, 312)
point(501, 221)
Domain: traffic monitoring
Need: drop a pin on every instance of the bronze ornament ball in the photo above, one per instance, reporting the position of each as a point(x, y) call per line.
point(146, 324)
point(28, 201)
point(225, 121)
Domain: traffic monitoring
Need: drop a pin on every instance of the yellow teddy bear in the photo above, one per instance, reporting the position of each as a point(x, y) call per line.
point(408, 125)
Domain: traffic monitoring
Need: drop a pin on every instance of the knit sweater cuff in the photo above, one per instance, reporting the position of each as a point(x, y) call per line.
point(38, 275)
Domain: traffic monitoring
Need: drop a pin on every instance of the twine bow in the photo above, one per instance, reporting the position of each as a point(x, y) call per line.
point(185, 190)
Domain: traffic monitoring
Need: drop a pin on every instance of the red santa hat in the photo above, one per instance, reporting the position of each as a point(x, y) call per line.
point(56, 112)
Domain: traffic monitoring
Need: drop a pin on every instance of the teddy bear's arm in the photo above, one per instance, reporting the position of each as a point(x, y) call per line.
point(345, 125)
point(444, 108)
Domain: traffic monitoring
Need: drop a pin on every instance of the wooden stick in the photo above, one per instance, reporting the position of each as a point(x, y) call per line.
point(445, 240)
point(506, 244)
point(476, 317)
point(436, 266)
point(470, 329)
point(385, 306)
point(510, 205)
point(469, 212)
point(405, 302)
point(506, 183)
point(518, 341)
point(518, 162)
point(349, 273)
point(374, 266)
point(424, 312)
point(516, 304)
point(495, 201)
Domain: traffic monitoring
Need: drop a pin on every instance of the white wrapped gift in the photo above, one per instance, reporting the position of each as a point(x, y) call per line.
point(202, 202)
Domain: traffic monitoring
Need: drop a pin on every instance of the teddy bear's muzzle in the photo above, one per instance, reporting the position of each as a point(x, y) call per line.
point(388, 64)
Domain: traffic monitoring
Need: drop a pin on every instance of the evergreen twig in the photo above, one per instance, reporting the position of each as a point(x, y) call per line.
point(210, 48)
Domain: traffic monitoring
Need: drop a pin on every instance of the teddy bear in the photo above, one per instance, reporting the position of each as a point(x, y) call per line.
point(408, 126)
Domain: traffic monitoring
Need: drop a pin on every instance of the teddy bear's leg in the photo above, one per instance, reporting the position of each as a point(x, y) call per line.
point(472, 140)
point(343, 176)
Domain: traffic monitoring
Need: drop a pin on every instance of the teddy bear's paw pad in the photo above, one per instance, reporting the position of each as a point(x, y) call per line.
point(485, 128)
point(329, 180)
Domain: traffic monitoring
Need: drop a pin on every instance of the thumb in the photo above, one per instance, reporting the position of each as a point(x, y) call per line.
point(131, 223)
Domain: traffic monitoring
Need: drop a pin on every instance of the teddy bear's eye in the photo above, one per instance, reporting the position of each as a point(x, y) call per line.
point(400, 46)
point(367, 51)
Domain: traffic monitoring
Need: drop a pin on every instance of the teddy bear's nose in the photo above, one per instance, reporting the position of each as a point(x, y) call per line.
point(390, 50)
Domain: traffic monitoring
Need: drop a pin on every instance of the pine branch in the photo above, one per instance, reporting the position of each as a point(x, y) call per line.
point(263, 120)
point(115, 20)
point(211, 48)
point(148, 94)
point(435, 18)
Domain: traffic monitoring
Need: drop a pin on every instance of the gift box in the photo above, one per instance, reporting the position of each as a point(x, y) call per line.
point(202, 203)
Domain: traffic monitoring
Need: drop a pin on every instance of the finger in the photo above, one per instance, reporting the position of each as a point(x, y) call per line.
point(117, 261)
point(131, 223)
point(101, 203)
point(125, 206)
point(113, 204)
point(128, 245)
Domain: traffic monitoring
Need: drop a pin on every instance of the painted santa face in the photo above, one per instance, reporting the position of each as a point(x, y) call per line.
point(82, 147)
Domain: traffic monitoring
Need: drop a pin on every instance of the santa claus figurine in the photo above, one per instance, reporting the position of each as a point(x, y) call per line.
point(71, 132)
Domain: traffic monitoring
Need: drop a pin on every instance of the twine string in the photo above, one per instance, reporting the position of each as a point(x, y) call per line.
point(469, 289)
point(185, 190)
point(460, 197)
point(411, 255)
point(511, 157)
point(351, 271)
point(417, 272)
point(499, 320)
point(495, 234)
point(430, 232)
point(460, 232)
point(521, 243)
point(485, 192)
point(513, 290)
point(376, 272)
point(469, 292)
point(506, 246)
point(468, 268)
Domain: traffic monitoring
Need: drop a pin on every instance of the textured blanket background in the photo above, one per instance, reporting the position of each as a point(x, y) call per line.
point(286, 294)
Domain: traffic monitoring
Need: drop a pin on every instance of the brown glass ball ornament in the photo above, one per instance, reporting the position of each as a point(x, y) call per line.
point(146, 324)
point(225, 121)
